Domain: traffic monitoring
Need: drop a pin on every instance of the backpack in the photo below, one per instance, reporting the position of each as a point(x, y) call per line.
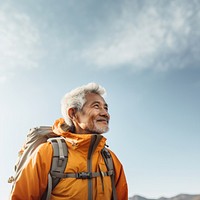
point(42, 134)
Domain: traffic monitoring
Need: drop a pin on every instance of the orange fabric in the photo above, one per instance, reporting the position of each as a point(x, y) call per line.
point(57, 126)
point(32, 182)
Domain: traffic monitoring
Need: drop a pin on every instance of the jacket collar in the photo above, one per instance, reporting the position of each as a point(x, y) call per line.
point(89, 142)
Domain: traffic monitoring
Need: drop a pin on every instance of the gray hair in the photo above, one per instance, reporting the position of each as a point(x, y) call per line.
point(76, 99)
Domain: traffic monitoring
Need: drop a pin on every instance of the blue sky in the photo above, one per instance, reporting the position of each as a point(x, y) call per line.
point(146, 55)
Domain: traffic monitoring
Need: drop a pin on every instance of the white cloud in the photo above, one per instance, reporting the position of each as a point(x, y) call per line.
point(3, 79)
point(157, 36)
point(19, 42)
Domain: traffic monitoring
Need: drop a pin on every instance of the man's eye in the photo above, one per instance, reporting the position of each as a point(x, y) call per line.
point(96, 106)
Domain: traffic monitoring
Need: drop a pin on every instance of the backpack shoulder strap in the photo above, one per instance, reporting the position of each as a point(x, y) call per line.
point(109, 164)
point(59, 162)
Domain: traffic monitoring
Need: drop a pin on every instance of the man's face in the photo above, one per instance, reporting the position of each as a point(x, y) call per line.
point(94, 116)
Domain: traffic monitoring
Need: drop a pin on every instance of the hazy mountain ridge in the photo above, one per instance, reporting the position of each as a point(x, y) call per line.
point(178, 197)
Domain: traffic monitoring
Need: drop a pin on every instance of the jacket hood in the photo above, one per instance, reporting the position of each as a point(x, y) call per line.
point(60, 127)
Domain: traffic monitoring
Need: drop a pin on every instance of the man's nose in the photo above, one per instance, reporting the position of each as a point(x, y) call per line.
point(104, 112)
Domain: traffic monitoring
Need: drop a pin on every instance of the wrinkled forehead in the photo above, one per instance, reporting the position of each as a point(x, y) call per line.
point(93, 97)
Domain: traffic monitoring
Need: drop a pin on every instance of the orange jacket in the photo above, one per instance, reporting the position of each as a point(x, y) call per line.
point(32, 182)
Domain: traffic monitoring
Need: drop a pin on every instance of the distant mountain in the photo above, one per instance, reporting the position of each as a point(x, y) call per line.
point(178, 197)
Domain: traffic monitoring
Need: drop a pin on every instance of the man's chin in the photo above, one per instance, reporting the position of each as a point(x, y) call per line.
point(100, 130)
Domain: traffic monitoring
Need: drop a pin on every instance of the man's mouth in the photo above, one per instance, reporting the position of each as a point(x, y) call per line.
point(105, 121)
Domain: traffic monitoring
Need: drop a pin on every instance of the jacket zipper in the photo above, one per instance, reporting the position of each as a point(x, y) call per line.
point(95, 139)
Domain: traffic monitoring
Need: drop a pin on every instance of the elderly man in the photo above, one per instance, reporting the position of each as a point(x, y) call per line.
point(85, 119)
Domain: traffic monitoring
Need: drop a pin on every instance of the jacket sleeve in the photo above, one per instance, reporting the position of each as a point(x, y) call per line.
point(120, 179)
point(32, 181)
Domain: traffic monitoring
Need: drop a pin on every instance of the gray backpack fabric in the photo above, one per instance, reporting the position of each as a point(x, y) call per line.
point(42, 134)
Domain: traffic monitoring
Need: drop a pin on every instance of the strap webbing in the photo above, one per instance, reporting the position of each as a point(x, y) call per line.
point(59, 162)
point(49, 189)
point(82, 175)
point(109, 163)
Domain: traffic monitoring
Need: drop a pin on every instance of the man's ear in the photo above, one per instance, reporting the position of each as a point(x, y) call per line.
point(72, 113)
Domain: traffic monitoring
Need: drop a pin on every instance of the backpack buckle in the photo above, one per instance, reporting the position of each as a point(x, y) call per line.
point(84, 175)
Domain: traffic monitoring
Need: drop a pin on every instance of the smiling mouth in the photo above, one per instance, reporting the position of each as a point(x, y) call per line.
point(103, 121)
